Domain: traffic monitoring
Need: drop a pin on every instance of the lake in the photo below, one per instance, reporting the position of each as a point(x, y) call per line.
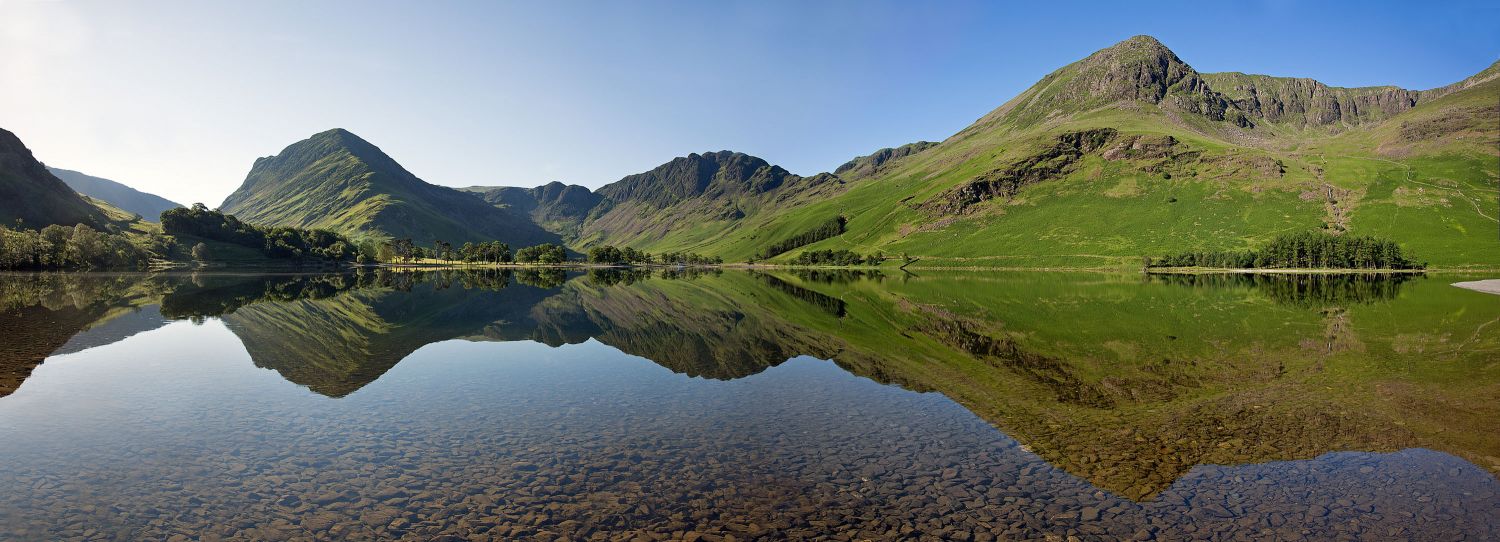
point(719, 405)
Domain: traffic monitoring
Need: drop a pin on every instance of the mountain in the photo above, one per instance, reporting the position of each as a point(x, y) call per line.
point(557, 207)
point(686, 199)
point(693, 196)
point(148, 206)
point(32, 195)
point(336, 181)
point(1303, 102)
point(1139, 70)
point(1125, 153)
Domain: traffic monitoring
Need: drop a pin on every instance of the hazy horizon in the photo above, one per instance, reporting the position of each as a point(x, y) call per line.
point(179, 98)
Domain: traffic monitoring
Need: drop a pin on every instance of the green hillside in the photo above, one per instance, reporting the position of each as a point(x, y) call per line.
point(1131, 152)
point(147, 206)
point(336, 181)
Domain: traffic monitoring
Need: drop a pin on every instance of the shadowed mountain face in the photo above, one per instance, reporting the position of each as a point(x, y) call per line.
point(336, 181)
point(558, 207)
point(32, 195)
point(1127, 384)
point(148, 206)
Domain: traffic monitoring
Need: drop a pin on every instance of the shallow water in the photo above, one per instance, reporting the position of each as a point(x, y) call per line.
point(1007, 406)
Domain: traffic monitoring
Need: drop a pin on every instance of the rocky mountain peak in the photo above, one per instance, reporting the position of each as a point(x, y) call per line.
point(1140, 47)
point(1138, 70)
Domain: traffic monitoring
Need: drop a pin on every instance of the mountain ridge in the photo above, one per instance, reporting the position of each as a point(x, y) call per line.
point(149, 206)
point(1126, 152)
point(703, 191)
point(1185, 167)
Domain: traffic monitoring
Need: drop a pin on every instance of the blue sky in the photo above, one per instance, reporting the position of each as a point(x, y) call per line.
point(179, 98)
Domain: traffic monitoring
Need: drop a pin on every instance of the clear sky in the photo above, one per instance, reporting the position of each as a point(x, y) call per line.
point(179, 98)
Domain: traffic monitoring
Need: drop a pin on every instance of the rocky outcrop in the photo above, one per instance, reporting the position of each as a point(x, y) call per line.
point(1305, 102)
point(1052, 163)
point(1140, 146)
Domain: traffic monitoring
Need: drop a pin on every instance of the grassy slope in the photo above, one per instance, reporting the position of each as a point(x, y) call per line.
point(1109, 213)
point(1436, 193)
point(1426, 178)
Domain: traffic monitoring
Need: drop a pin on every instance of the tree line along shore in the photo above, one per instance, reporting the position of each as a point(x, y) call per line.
point(199, 236)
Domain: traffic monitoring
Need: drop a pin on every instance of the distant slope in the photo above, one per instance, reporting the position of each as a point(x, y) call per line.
point(694, 197)
point(557, 207)
point(148, 206)
point(684, 203)
point(36, 198)
point(334, 180)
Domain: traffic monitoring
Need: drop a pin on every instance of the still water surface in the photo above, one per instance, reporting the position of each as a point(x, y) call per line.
point(612, 406)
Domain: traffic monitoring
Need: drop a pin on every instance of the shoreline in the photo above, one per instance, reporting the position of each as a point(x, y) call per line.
point(294, 268)
point(1488, 286)
point(1314, 271)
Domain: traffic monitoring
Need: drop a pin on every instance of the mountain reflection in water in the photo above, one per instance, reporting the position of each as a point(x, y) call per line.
point(1148, 390)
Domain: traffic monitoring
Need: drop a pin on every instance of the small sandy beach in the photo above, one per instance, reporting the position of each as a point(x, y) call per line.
point(1491, 286)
